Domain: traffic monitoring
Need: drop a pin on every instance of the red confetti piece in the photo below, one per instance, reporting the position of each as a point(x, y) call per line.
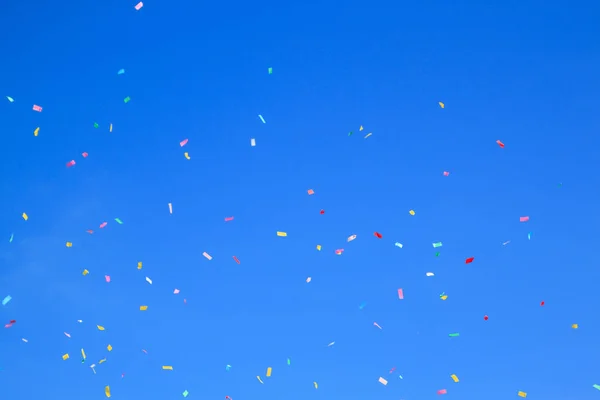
point(500, 143)
point(542, 303)
point(446, 173)
point(228, 219)
point(485, 317)
point(84, 154)
point(469, 260)
point(236, 259)
point(339, 252)
point(322, 212)
point(70, 163)
point(442, 391)
point(378, 235)
point(523, 219)
point(90, 231)
point(37, 108)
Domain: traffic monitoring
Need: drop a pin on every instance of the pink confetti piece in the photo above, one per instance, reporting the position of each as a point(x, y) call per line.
point(377, 325)
point(144, 351)
point(84, 154)
point(8, 325)
point(236, 259)
point(176, 291)
point(138, 6)
point(228, 219)
point(446, 173)
point(102, 225)
point(339, 252)
point(400, 294)
point(442, 391)
point(208, 256)
point(67, 335)
point(37, 108)
point(183, 142)
point(523, 219)
point(70, 163)
point(107, 277)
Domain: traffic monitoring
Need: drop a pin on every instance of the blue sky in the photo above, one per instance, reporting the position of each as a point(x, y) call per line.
point(521, 72)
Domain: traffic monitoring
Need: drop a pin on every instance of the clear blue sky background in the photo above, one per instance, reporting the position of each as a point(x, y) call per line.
point(525, 73)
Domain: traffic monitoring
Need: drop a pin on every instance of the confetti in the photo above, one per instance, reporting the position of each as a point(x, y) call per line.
point(143, 308)
point(227, 219)
point(383, 381)
point(67, 334)
point(107, 278)
point(149, 280)
point(400, 294)
point(84, 154)
point(176, 291)
point(107, 391)
point(398, 244)
point(319, 247)
point(127, 99)
point(102, 225)
point(25, 217)
point(186, 155)
point(70, 163)
point(281, 234)
point(110, 128)
point(330, 344)
point(377, 235)
point(339, 252)
point(429, 274)
point(167, 367)
point(269, 370)
point(119, 221)
point(6, 300)
point(270, 70)
point(236, 259)
point(469, 260)
point(100, 327)
point(310, 192)
point(454, 334)
point(69, 244)
point(436, 245)
point(412, 212)
point(442, 391)
point(500, 143)
point(85, 272)
point(377, 325)
point(183, 142)
point(139, 5)
point(207, 256)
point(316, 385)
point(308, 279)
point(65, 357)
point(575, 326)
point(139, 265)
point(37, 108)
point(36, 131)
point(185, 393)
point(522, 394)
point(12, 236)
point(523, 219)
point(260, 380)
point(170, 208)
point(252, 142)
point(10, 99)
point(485, 317)
point(446, 173)
point(442, 105)
point(83, 354)
point(368, 134)
point(121, 72)
point(454, 378)
point(262, 119)
point(96, 125)
point(351, 238)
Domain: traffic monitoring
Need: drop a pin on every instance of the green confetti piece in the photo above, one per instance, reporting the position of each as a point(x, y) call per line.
point(127, 99)
point(185, 393)
point(436, 245)
point(596, 387)
point(96, 125)
point(119, 221)
point(270, 71)
point(350, 133)
point(454, 334)
point(289, 361)
point(437, 254)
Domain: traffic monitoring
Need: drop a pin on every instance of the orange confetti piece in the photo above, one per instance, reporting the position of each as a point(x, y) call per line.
point(500, 143)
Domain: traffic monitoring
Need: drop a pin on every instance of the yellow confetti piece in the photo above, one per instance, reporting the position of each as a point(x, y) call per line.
point(281, 234)
point(269, 370)
point(186, 155)
point(444, 297)
point(83, 354)
point(361, 128)
point(85, 272)
point(109, 347)
point(69, 244)
point(412, 212)
point(441, 104)
point(316, 385)
point(143, 308)
point(107, 391)
point(454, 378)
point(167, 367)
point(65, 357)
point(522, 394)
point(139, 265)
point(110, 129)
point(100, 327)
point(37, 130)
point(25, 217)
point(319, 247)
point(575, 326)
point(260, 380)
point(101, 361)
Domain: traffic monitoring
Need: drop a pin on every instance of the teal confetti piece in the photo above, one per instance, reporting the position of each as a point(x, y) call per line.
point(437, 254)
point(436, 245)
point(289, 361)
point(185, 393)
point(228, 367)
point(270, 71)
point(95, 125)
point(454, 334)
point(10, 99)
point(262, 119)
point(127, 99)
point(6, 300)
point(12, 236)
point(350, 133)
point(398, 244)
point(121, 72)
point(529, 236)
point(119, 221)
point(596, 387)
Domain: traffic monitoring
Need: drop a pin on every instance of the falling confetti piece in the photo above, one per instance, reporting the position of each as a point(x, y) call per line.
point(500, 143)
point(361, 128)
point(110, 128)
point(6, 300)
point(25, 340)
point(227, 219)
point(186, 155)
point(183, 142)
point(260, 380)
point(351, 238)
point(281, 234)
point(446, 173)
point(107, 278)
point(121, 72)
point(442, 391)
point(429, 274)
point(454, 334)
point(10, 99)
point(138, 6)
point(253, 142)
point(139, 266)
point(469, 260)
point(84, 154)
point(119, 221)
point(107, 391)
point(400, 294)
point(127, 99)
point(83, 354)
point(436, 245)
point(37, 108)
point(65, 357)
point(412, 212)
point(207, 256)
point(289, 362)
point(85, 272)
point(36, 131)
point(100, 327)
point(319, 247)
point(442, 105)
point(377, 325)
point(236, 260)
point(262, 119)
point(368, 134)
point(485, 317)
point(69, 244)
point(377, 235)
point(522, 394)
point(339, 252)
point(149, 280)
point(96, 125)
point(308, 279)
point(25, 217)
point(529, 236)
point(596, 386)
point(575, 326)
point(310, 192)
point(170, 208)
point(185, 393)
point(330, 344)
point(176, 291)
point(143, 308)
point(270, 70)
point(523, 219)
point(362, 305)
point(269, 370)
point(383, 381)
point(398, 244)
point(167, 367)
point(12, 236)
point(70, 163)
point(102, 225)
point(454, 378)
point(67, 334)
point(316, 385)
